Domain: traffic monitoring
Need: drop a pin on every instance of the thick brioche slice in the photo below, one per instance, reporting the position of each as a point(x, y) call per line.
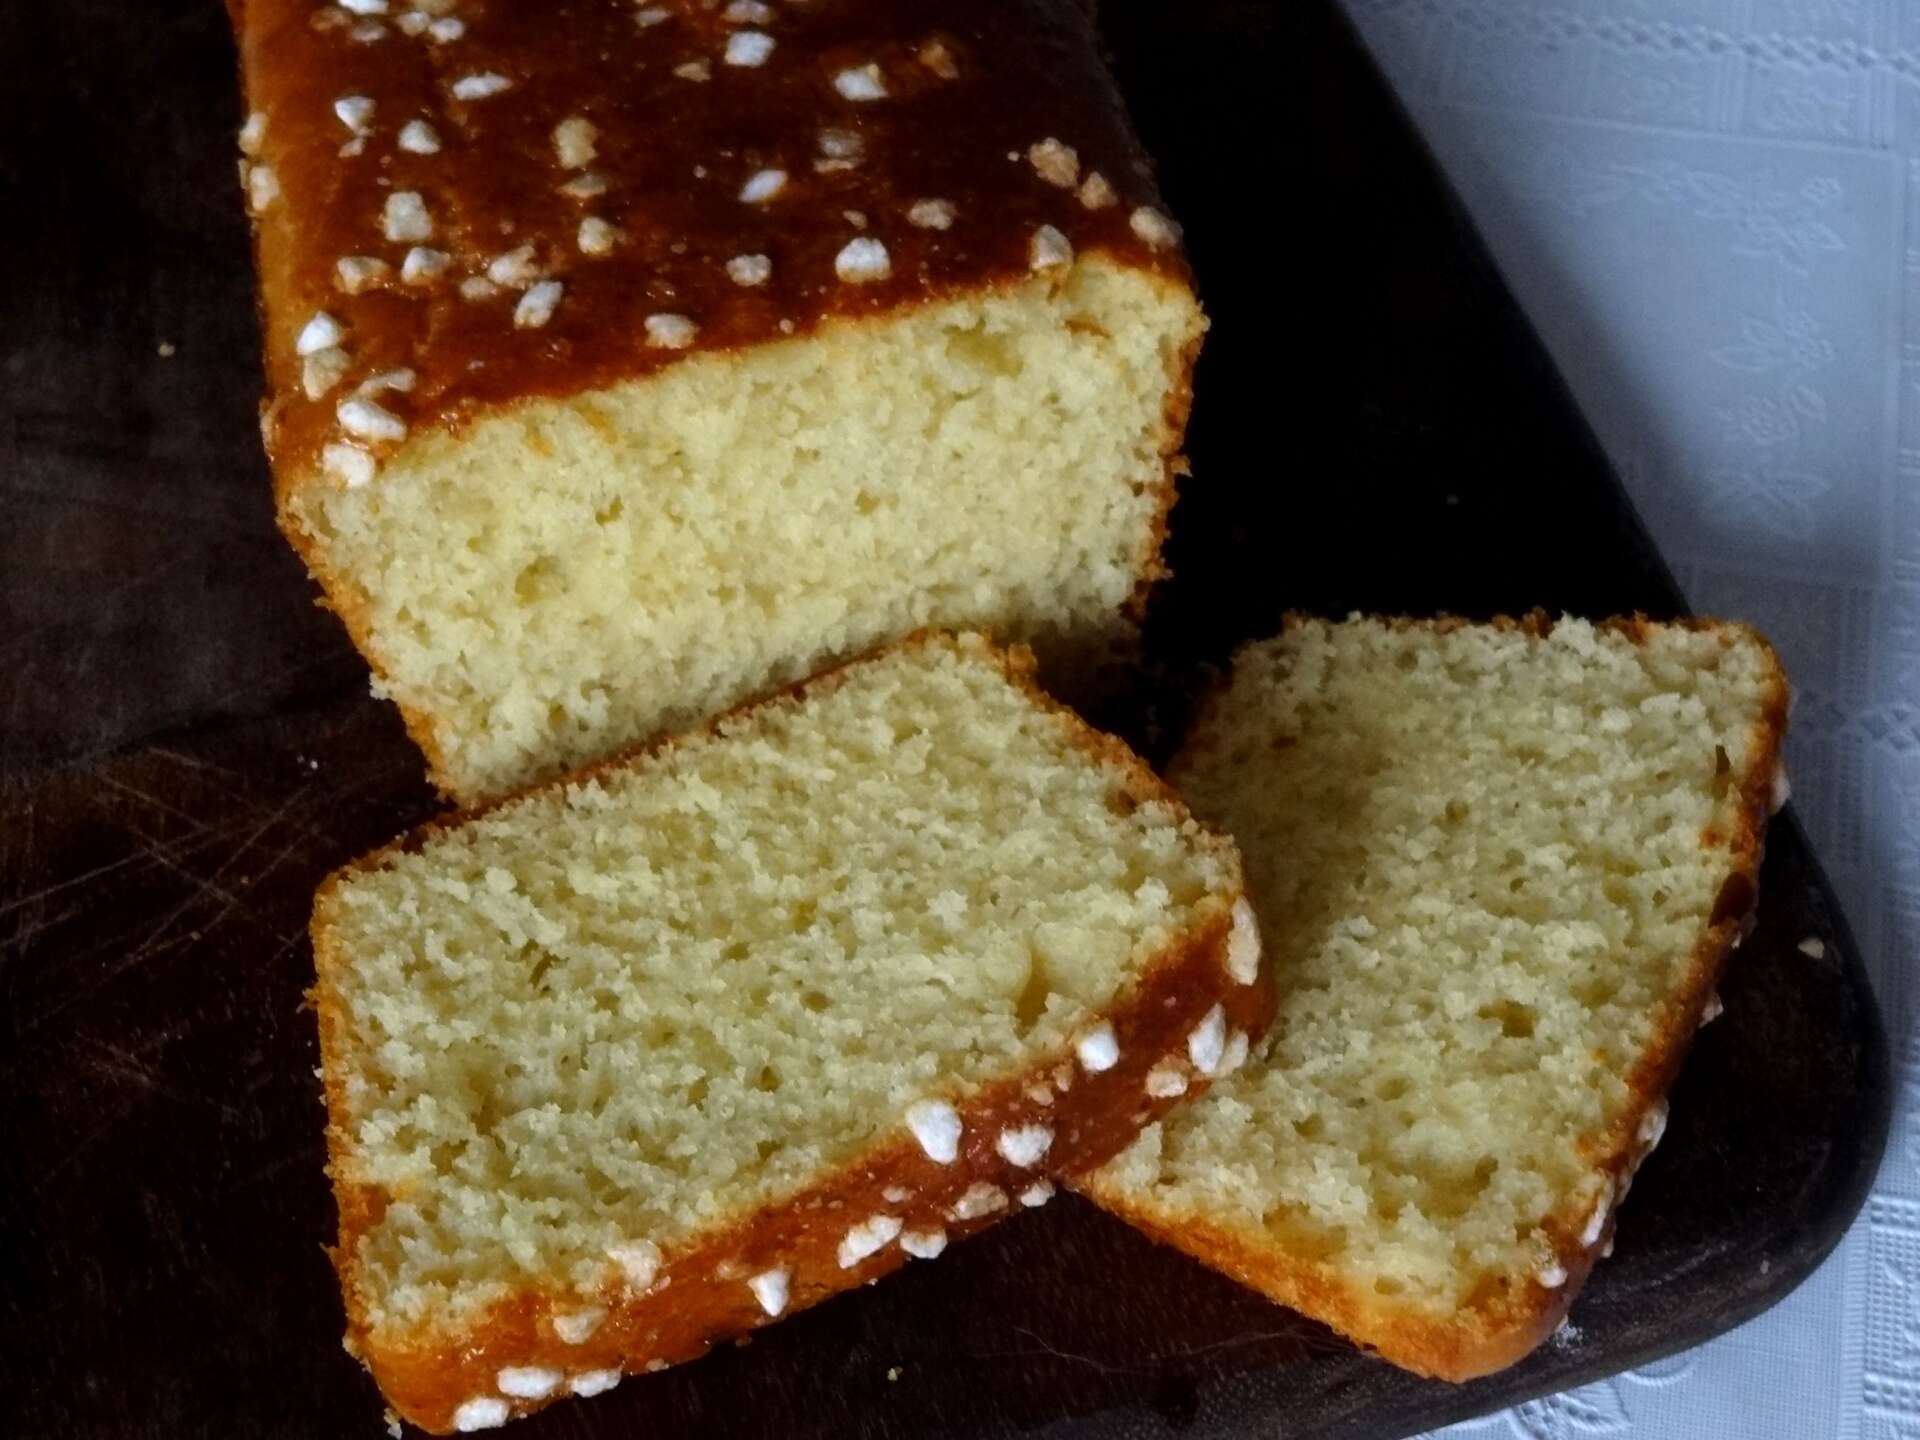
point(625, 361)
point(1498, 869)
point(650, 1056)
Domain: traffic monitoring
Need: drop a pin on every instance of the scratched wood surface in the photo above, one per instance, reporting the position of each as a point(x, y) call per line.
point(186, 747)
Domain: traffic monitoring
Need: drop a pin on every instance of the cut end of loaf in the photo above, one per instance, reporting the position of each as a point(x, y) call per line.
point(727, 1017)
point(737, 520)
point(1492, 866)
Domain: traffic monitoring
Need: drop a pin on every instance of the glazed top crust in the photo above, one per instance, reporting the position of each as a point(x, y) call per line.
point(484, 200)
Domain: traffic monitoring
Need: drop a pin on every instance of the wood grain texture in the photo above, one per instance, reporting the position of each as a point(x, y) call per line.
point(186, 747)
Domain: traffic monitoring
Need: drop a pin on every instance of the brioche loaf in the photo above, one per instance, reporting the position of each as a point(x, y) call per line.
point(627, 360)
point(1498, 869)
point(697, 1038)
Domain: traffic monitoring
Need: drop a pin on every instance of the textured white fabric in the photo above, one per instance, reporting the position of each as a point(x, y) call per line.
point(1711, 210)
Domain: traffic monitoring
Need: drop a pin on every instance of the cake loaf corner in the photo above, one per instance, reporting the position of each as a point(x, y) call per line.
point(624, 361)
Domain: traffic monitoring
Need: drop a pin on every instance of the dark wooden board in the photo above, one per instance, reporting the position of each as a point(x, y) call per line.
point(186, 747)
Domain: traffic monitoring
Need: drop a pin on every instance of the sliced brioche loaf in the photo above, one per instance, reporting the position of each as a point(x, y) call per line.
point(650, 1056)
point(1497, 869)
point(626, 360)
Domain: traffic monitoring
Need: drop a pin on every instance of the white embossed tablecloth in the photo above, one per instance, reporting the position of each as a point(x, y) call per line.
point(1711, 211)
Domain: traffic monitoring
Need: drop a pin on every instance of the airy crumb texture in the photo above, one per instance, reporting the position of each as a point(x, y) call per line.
point(569, 1036)
point(1496, 869)
point(737, 520)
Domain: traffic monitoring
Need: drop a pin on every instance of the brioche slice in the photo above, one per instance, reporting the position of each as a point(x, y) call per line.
point(627, 360)
point(1498, 869)
point(651, 1056)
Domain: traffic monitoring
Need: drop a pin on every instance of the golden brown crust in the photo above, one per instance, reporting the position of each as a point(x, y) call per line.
point(701, 1296)
point(1460, 1349)
point(1517, 1313)
point(971, 86)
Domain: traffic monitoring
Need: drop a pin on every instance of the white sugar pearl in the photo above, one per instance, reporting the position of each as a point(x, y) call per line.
point(762, 186)
point(483, 1412)
point(861, 82)
point(1208, 1042)
point(862, 259)
point(404, 219)
point(1024, 1145)
point(319, 333)
point(423, 264)
point(348, 463)
point(936, 1125)
point(417, 137)
point(931, 214)
point(480, 86)
point(1153, 227)
point(536, 307)
point(573, 141)
point(1049, 249)
point(770, 1289)
point(354, 111)
point(749, 269)
point(528, 1382)
point(748, 48)
point(355, 273)
point(596, 236)
point(1098, 1049)
point(369, 421)
point(670, 332)
point(869, 1237)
